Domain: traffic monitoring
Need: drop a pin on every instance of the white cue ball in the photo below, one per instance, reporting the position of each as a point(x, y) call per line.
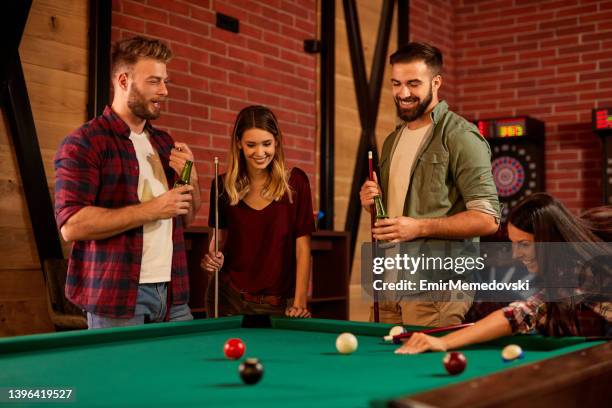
point(396, 330)
point(512, 352)
point(346, 343)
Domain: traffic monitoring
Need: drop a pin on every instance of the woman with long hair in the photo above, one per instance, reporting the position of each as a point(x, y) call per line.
point(540, 218)
point(265, 223)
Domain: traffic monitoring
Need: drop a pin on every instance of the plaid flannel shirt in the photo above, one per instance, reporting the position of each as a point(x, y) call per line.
point(96, 165)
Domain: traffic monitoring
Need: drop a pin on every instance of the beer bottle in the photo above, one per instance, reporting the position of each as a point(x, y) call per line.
point(185, 175)
point(381, 214)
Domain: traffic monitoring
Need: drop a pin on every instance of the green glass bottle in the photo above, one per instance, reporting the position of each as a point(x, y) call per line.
point(185, 175)
point(381, 214)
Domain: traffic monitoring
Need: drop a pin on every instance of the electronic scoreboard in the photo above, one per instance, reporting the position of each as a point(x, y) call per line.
point(517, 145)
point(602, 125)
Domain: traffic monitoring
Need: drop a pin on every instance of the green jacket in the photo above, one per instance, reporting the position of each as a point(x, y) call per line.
point(452, 168)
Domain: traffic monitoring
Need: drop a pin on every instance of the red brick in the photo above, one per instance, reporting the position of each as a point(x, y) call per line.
point(263, 48)
point(121, 20)
point(189, 109)
point(576, 68)
point(173, 121)
point(596, 75)
point(202, 14)
point(211, 128)
point(581, 29)
point(227, 37)
point(605, 16)
point(228, 9)
point(170, 6)
point(209, 99)
point(596, 37)
point(188, 81)
point(251, 31)
point(228, 90)
point(211, 72)
point(262, 98)
point(189, 24)
point(165, 32)
point(556, 23)
point(207, 44)
point(177, 93)
point(139, 10)
point(245, 55)
point(189, 53)
point(281, 41)
point(222, 115)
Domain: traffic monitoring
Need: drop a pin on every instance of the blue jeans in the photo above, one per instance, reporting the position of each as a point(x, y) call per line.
point(151, 306)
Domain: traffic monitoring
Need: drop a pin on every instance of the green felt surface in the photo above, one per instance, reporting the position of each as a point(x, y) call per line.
point(182, 364)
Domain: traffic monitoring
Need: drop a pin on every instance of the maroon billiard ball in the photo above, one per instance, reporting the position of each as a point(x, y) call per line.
point(251, 371)
point(454, 362)
point(234, 349)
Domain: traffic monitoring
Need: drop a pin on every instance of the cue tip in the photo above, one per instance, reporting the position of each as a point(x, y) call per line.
point(216, 160)
point(370, 154)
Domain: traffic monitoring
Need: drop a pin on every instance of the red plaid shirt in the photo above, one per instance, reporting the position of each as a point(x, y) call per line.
point(96, 165)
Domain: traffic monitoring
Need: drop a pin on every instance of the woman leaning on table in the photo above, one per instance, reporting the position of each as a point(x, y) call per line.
point(542, 218)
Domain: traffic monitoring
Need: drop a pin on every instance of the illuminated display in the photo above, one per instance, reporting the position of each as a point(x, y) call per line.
point(603, 119)
point(511, 127)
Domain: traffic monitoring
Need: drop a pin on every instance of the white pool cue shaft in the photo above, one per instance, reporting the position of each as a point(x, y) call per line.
point(216, 235)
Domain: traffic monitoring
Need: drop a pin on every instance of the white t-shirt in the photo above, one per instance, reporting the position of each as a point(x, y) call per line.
point(157, 247)
point(402, 162)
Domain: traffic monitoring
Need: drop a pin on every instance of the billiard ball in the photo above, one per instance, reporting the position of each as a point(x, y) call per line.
point(346, 343)
point(512, 352)
point(454, 362)
point(250, 371)
point(395, 330)
point(234, 349)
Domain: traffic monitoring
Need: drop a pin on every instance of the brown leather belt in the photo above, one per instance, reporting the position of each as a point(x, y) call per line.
point(261, 299)
point(271, 300)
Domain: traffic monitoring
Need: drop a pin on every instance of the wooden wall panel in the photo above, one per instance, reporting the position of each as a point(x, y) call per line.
point(348, 129)
point(54, 56)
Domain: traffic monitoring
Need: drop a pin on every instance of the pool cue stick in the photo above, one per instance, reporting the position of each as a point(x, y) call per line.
point(216, 235)
point(372, 221)
point(428, 331)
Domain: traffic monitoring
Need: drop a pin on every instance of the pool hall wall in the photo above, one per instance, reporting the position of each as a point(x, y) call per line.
point(215, 73)
point(53, 52)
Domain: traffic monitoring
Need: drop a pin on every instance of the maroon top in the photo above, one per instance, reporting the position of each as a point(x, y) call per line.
point(260, 245)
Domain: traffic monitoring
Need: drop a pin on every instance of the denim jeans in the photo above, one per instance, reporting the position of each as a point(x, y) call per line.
point(151, 306)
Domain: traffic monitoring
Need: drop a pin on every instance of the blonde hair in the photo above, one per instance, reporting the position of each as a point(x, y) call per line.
point(128, 52)
point(236, 181)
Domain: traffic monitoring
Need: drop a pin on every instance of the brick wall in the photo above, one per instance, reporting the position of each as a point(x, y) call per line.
point(432, 21)
point(215, 73)
point(547, 59)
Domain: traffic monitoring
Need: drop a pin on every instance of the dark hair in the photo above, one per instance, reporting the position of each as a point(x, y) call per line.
point(599, 220)
point(128, 52)
point(416, 51)
point(549, 220)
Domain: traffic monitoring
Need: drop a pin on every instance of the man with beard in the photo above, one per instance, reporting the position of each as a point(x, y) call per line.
point(436, 180)
point(113, 201)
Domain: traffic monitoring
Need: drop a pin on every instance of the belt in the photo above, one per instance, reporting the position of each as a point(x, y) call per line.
point(271, 300)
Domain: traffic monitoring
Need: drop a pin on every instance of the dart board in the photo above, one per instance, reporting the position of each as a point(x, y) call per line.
point(517, 147)
point(602, 125)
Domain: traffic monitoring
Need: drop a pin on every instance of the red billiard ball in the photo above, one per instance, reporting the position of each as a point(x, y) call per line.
point(454, 362)
point(234, 349)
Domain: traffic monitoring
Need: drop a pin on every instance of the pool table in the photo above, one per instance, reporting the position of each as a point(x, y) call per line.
point(182, 365)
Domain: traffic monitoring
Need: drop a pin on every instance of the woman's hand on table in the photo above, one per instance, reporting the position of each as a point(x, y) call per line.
point(297, 311)
point(420, 342)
